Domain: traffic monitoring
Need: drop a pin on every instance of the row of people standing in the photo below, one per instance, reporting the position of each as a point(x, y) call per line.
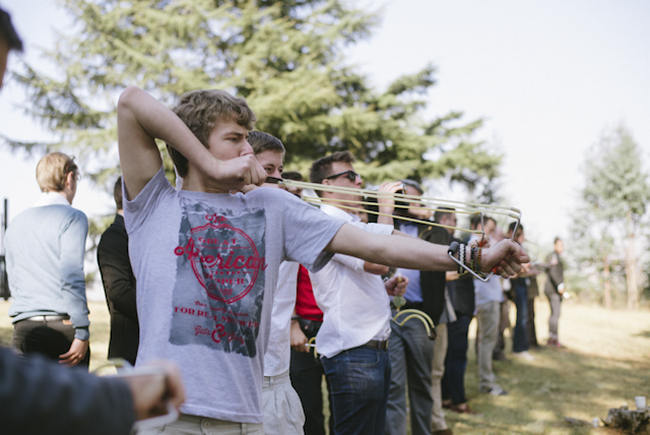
point(367, 326)
point(490, 303)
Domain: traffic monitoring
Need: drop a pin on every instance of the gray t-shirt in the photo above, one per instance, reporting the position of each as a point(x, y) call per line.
point(206, 267)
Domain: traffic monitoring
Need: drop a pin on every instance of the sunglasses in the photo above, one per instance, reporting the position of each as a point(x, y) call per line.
point(349, 174)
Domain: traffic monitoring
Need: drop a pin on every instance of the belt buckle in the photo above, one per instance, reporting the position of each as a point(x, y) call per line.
point(378, 344)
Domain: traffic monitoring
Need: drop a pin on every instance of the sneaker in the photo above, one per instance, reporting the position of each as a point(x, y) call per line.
point(524, 355)
point(494, 391)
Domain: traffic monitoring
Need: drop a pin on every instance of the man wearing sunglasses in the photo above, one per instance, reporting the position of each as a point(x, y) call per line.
point(353, 338)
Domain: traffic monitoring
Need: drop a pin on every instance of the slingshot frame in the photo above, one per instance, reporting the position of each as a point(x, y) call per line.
point(406, 201)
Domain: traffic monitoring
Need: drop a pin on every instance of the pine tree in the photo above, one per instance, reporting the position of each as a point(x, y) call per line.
point(610, 220)
point(285, 57)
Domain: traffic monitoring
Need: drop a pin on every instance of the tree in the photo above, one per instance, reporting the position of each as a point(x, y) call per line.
point(285, 57)
point(609, 221)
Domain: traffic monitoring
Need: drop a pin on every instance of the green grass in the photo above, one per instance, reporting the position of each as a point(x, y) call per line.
point(606, 364)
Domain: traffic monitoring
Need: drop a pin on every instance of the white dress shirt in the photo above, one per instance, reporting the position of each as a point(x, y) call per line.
point(354, 302)
point(277, 357)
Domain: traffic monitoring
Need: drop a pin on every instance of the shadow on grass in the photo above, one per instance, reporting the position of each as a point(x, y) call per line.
point(644, 334)
point(542, 392)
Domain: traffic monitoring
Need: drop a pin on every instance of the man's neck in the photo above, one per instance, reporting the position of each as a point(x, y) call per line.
point(61, 193)
point(195, 183)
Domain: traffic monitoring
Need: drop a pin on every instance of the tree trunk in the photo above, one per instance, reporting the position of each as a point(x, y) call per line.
point(630, 268)
point(607, 284)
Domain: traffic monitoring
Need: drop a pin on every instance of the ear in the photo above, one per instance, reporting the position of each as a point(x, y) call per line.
point(70, 178)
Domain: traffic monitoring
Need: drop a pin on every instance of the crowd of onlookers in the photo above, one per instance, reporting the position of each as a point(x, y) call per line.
point(255, 295)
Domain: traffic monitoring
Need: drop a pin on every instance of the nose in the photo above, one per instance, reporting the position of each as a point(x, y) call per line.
point(276, 173)
point(246, 149)
point(358, 181)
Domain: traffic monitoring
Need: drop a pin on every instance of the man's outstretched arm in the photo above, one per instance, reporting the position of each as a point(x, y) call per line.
point(413, 253)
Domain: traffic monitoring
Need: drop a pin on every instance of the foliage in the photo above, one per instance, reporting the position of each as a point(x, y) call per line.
point(285, 57)
point(609, 220)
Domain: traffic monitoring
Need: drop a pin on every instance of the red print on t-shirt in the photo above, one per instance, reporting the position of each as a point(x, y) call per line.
point(226, 267)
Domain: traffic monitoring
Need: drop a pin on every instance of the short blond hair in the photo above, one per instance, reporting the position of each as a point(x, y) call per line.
point(52, 170)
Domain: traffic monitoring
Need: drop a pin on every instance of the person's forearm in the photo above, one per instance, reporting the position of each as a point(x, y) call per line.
point(119, 285)
point(375, 269)
point(161, 122)
point(74, 296)
point(397, 251)
point(73, 242)
point(135, 106)
point(121, 293)
point(504, 258)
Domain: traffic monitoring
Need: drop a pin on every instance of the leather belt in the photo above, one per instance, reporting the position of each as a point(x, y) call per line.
point(48, 317)
point(377, 344)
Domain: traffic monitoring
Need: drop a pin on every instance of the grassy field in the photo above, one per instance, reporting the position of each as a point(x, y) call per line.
point(606, 364)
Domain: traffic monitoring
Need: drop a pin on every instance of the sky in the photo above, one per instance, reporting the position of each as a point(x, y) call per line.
point(548, 77)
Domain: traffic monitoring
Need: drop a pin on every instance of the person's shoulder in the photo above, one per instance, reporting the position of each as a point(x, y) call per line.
point(269, 192)
point(274, 198)
point(115, 229)
point(77, 215)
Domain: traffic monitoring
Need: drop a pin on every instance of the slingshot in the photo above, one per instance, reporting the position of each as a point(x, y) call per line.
point(404, 201)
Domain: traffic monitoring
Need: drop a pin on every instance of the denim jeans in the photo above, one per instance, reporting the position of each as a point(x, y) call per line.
point(359, 379)
point(520, 337)
point(411, 359)
point(453, 380)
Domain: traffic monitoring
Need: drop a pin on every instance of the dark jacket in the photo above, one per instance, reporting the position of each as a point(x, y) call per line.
point(39, 396)
point(554, 273)
point(119, 287)
point(433, 283)
point(461, 294)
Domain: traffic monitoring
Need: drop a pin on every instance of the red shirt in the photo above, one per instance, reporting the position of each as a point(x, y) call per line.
point(306, 306)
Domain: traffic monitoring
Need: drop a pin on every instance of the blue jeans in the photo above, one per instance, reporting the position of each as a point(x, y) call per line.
point(359, 379)
point(411, 360)
point(520, 338)
point(453, 380)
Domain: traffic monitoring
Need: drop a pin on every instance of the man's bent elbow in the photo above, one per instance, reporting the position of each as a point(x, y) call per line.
point(126, 98)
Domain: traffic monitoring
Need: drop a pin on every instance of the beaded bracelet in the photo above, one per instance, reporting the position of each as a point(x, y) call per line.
point(461, 258)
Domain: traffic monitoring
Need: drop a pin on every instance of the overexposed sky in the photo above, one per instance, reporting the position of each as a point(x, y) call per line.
point(547, 76)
